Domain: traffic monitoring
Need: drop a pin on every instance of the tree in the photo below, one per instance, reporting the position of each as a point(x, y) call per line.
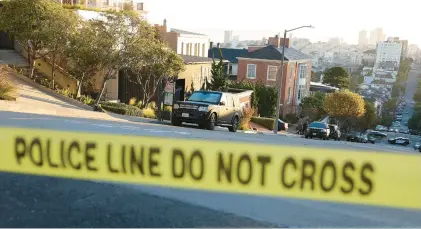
point(219, 79)
point(315, 77)
point(312, 106)
point(150, 62)
point(369, 119)
point(114, 32)
point(84, 53)
point(417, 95)
point(33, 24)
point(65, 25)
point(336, 77)
point(192, 87)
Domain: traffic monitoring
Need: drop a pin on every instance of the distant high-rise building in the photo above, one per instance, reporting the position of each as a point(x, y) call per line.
point(377, 35)
point(388, 52)
point(227, 36)
point(362, 38)
point(236, 38)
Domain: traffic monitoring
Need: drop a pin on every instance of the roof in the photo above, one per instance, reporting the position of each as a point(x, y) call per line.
point(195, 59)
point(186, 32)
point(315, 86)
point(271, 53)
point(227, 54)
point(373, 51)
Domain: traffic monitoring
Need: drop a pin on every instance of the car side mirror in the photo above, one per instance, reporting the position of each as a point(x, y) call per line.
point(222, 103)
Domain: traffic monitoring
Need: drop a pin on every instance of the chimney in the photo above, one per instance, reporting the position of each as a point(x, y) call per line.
point(274, 41)
point(281, 42)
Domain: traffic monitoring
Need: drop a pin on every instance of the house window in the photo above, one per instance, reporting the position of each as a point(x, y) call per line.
point(301, 91)
point(251, 71)
point(291, 72)
point(303, 72)
point(271, 75)
point(289, 95)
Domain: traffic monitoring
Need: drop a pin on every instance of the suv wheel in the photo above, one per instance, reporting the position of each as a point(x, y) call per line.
point(234, 125)
point(211, 122)
point(175, 121)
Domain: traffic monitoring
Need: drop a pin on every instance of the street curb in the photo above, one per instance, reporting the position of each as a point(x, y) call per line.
point(51, 92)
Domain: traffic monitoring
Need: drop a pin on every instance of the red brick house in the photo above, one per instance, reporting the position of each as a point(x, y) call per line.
point(260, 65)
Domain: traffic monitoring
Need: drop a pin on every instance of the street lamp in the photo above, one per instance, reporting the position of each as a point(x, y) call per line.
point(278, 101)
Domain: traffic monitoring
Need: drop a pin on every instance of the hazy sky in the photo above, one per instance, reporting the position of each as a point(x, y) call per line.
point(254, 19)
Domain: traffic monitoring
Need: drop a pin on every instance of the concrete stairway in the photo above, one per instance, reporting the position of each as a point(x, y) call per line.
point(12, 57)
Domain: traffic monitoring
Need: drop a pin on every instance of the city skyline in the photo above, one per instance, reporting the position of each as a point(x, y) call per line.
point(191, 15)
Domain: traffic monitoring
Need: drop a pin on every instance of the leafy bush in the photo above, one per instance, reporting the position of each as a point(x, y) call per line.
point(7, 90)
point(121, 108)
point(86, 99)
point(245, 119)
point(268, 123)
point(148, 113)
point(132, 101)
point(291, 118)
point(65, 92)
point(263, 98)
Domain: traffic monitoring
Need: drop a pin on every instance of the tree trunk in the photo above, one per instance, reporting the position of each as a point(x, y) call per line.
point(104, 83)
point(32, 67)
point(79, 87)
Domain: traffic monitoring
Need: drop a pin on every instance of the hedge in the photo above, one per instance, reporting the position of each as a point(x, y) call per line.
point(121, 108)
point(268, 123)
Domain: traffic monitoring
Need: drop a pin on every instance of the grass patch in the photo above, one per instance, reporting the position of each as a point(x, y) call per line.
point(7, 89)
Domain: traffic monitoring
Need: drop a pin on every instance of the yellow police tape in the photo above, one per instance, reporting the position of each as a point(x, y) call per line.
point(310, 173)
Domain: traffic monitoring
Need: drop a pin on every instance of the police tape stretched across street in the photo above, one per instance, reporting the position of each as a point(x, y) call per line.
point(383, 179)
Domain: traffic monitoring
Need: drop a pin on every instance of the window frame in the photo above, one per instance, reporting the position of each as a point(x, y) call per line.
point(255, 71)
point(268, 71)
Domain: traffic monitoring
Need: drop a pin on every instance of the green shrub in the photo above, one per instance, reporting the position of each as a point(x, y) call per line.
point(66, 92)
point(268, 123)
point(148, 113)
point(121, 108)
point(86, 99)
point(291, 118)
point(132, 101)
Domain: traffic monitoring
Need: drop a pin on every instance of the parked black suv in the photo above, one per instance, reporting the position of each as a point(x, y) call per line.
point(208, 109)
point(318, 130)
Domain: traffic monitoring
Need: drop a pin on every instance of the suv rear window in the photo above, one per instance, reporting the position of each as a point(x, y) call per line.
point(205, 97)
point(317, 125)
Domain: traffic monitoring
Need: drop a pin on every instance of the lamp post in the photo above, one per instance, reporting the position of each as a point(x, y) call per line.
point(278, 101)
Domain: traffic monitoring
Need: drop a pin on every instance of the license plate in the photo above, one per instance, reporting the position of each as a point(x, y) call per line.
point(185, 115)
point(314, 133)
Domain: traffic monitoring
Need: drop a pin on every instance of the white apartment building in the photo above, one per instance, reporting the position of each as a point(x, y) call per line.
point(108, 4)
point(227, 36)
point(388, 54)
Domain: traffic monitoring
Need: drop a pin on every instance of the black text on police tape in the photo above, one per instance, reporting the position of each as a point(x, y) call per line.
point(302, 173)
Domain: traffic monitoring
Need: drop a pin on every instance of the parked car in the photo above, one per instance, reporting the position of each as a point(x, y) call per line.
point(335, 133)
point(417, 146)
point(377, 134)
point(354, 136)
point(208, 109)
point(282, 125)
point(381, 128)
point(318, 130)
point(399, 141)
point(413, 132)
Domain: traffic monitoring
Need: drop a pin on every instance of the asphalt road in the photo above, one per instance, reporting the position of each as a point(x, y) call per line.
point(80, 199)
point(30, 201)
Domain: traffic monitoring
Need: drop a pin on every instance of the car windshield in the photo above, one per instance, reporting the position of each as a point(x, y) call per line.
point(205, 97)
point(317, 125)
